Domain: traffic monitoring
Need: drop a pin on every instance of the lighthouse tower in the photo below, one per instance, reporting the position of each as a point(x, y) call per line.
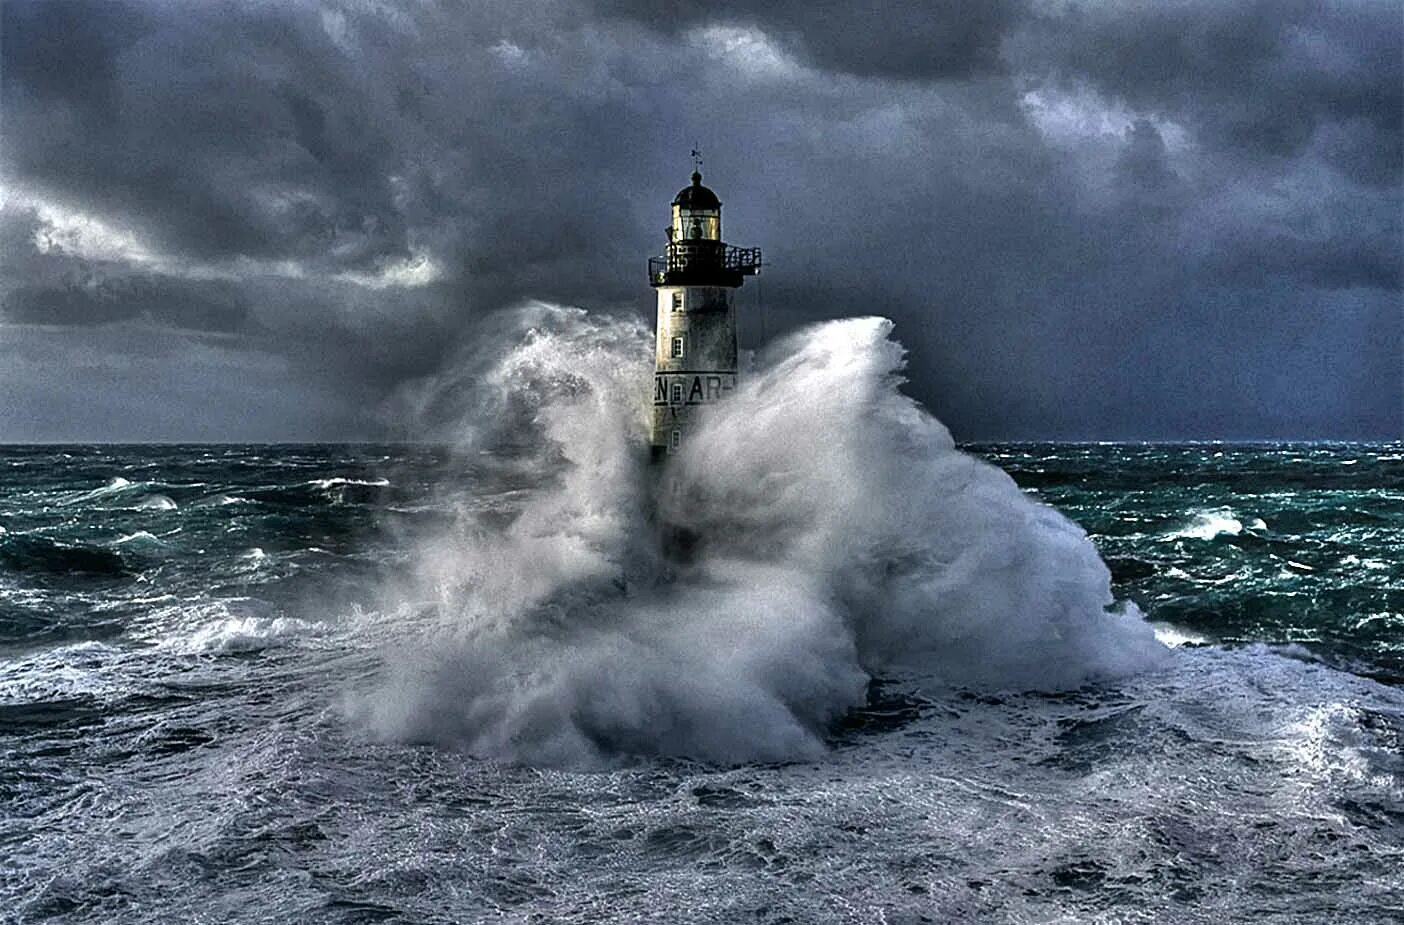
point(696, 281)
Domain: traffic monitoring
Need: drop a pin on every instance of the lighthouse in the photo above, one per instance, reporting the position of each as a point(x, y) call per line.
point(696, 280)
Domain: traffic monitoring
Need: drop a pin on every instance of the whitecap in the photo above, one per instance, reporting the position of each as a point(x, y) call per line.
point(338, 480)
point(155, 503)
point(1208, 524)
point(246, 634)
point(1174, 636)
point(114, 485)
point(1385, 617)
point(141, 537)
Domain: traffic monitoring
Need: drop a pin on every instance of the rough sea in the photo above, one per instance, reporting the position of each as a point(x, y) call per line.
point(461, 681)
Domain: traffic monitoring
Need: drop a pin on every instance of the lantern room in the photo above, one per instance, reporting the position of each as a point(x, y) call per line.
point(696, 213)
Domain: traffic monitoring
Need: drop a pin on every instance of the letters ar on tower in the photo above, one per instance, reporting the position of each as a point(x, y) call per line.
point(696, 280)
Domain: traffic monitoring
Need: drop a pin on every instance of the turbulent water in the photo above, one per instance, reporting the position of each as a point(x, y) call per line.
point(884, 681)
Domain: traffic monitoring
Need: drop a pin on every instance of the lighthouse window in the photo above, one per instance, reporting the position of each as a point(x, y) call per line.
point(677, 393)
point(677, 348)
point(675, 440)
point(677, 302)
point(704, 224)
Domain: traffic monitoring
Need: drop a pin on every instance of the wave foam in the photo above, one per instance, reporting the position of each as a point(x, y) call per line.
point(155, 503)
point(842, 537)
point(1175, 637)
point(247, 634)
point(139, 538)
point(338, 480)
point(1206, 525)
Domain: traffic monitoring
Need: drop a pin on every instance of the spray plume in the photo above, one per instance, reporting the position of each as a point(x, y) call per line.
point(842, 537)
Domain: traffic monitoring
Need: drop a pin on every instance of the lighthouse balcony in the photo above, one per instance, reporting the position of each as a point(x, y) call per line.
point(703, 263)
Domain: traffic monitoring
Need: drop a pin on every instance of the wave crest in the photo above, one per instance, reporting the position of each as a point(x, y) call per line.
point(842, 536)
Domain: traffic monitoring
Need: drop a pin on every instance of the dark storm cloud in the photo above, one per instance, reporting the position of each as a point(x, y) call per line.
point(893, 38)
point(199, 120)
point(1087, 219)
point(66, 52)
point(183, 304)
point(1264, 78)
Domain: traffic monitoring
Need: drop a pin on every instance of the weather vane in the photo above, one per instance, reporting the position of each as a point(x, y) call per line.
point(697, 158)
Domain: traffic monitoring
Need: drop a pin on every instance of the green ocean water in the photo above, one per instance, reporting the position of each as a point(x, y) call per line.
point(1275, 543)
point(191, 638)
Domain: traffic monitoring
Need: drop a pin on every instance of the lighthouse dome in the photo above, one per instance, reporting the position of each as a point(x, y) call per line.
point(696, 196)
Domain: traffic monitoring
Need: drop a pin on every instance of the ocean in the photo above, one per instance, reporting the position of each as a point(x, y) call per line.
point(463, 681)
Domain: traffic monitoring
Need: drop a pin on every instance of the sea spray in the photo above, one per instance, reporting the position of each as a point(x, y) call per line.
point(841, 536)
point(939, 563)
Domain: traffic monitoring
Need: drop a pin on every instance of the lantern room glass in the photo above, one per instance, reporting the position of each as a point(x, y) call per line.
point(694, 224)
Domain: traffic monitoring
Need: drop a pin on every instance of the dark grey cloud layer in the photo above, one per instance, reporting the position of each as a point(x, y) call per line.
point(906, 39)
point(1094, 220)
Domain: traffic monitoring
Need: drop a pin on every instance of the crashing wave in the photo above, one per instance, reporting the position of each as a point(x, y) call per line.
point(844, 537)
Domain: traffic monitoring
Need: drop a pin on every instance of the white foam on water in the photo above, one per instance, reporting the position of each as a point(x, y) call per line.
point(1208, 524)
point(114, 485)
point(76, 670)
point(247, 634)
point(139, 538)
point(155, 503)
point(338, 480)
point(843, 537)
point(1175, 636)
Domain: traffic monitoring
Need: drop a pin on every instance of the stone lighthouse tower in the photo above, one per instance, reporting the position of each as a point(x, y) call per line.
point(696, 281)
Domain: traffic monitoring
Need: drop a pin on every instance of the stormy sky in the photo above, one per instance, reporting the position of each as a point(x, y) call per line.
point(1111, 219)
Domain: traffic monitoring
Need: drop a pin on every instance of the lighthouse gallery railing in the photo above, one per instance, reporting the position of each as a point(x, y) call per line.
point(687, 258)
